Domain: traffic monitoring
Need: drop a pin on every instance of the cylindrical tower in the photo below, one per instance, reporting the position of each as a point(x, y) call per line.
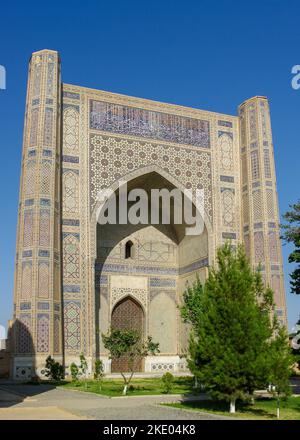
point(260, 216)
point(37, 328)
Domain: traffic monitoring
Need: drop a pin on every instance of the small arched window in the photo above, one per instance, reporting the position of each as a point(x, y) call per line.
point(128, 249)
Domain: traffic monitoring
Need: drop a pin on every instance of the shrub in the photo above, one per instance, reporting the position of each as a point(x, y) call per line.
point(99, 372)
point(74, 372)
point(167, 380)
point(54, 370)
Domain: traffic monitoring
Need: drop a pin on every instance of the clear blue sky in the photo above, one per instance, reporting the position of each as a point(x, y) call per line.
point(206, 54)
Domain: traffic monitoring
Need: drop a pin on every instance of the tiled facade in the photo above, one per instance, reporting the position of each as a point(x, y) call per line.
point(79, 140)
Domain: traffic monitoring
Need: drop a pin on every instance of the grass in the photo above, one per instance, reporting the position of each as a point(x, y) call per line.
point(137, 387)
point(263, 408)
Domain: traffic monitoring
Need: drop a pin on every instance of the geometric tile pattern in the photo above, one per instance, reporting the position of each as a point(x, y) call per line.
point(70, 192)
point(117, 293)
point(228, 207)
point(56, 334)
point(191, 167)
point(42, 333)
point(48, 127)
point(45, 176)
point(71, 256)
point(70, 128)
point(226, 151)
point(43, 280)
point(259, 247)
point(273, 246)
point(26, 283)
point(24, 338)
point(44, 227)
point(28, 228)
point(72, 325)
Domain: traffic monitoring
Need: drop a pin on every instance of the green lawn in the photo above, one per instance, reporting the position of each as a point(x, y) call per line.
point(263, 408)
point(138, 387)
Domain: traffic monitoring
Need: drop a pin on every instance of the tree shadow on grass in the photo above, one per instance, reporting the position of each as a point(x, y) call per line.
point(223, 407)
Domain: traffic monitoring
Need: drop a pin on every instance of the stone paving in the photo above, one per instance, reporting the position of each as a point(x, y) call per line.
point(47, 402)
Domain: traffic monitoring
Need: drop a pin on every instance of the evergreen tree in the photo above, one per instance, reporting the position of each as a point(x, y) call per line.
point(291, 234)
point(281, 361)
point(231, 328)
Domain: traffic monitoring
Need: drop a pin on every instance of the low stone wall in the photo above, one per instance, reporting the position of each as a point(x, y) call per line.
point(4, 363)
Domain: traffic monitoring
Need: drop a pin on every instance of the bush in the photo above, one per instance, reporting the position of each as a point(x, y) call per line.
point(167, 380)
point(54, 370)
point(74, 370)
point(99, 372)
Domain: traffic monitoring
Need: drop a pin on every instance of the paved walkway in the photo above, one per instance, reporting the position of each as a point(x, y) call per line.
point(49, 403)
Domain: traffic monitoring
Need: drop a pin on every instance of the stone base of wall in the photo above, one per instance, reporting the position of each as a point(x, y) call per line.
point(156, 364)
point(162, 364)
point(4, 363)
point(27, 367)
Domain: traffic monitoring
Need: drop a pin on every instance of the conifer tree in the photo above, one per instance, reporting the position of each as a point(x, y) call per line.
point(232, 328)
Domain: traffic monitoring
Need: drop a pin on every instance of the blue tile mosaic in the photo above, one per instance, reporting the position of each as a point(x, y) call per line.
point(103, 280)
point(47, 153)
point(25, 305)
point(66, 170)
point(162, 282)
point(70, 222)
point(75, 107)
point(75, 234)
point(42, 305)
point(27, 254)
point(71, 288)
point(134, 121)
point(258, 225)
point(148, 270)
point(71, 159)
point(229, 235)
point(29, 202)
point(43, 253)
point(194, 266)
point(274, 267)
point(45, 202)
point(220, 133)
point(227, 189)
point(71, 95)
point(227, 179)
point(225, 123)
